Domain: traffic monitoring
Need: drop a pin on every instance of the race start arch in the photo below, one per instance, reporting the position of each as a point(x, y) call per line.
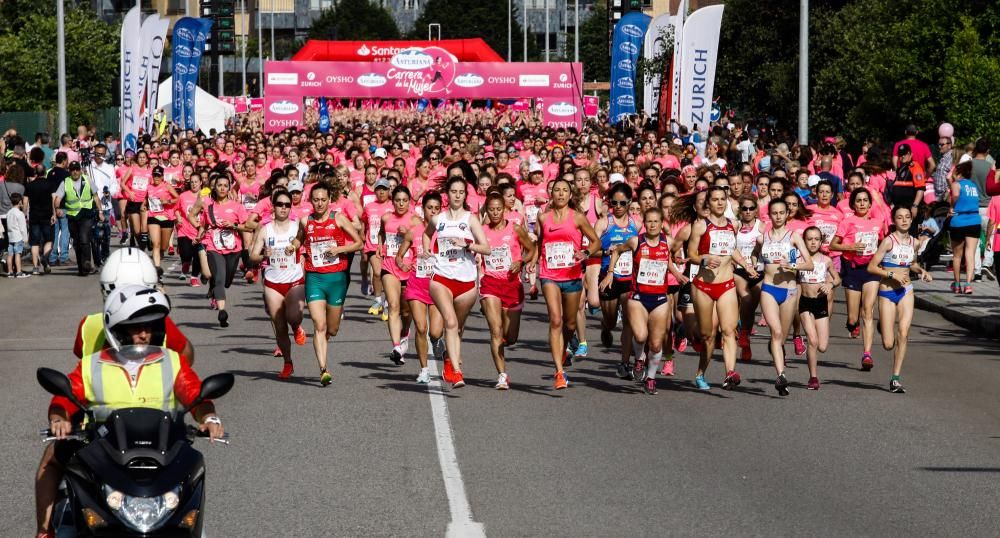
point(465, 50)
point(422, 73)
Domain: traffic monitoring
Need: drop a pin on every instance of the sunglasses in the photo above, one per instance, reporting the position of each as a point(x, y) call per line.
point(618, 203)
point(283, 205)
point(748, 208)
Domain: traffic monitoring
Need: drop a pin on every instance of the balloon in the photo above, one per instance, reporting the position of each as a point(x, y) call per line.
point(946, 130)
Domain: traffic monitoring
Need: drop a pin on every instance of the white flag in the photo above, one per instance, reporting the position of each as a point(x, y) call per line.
point(130, 77)
point(700, 45)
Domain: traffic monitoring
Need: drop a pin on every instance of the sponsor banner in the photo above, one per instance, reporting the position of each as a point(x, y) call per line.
point(656, 41)
point(466, 50)
point(521, 105)
point(675, 79)
point(242, 105)
point(324, 116)
point(280, 113)
point(256, 104)
point(151, 35)
point(700, 44)
point(188, 44)
point(431, 73)
point(591, 105)
point(626, 42)
point(129, 69)
point(155, 57)
point(558, 113)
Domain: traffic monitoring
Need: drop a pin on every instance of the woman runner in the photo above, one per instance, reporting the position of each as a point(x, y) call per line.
point(816, 286)
point(160, 198)
point(616, 230)
point(391, 233)
point(748, 234)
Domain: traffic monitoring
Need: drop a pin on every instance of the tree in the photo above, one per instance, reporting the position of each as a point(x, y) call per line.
point(970, 84)
point(474, 18)
point(354, 20)
point(594, 47)
point(28, 79)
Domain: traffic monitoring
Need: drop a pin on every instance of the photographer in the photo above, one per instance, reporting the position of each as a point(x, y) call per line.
point(102, 174)
point(77, 193)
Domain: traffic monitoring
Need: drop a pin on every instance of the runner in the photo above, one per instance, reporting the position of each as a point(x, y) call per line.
point(783, 253)
point(392, 231)
point(893, 262)
point(326, 239)
point(187, 235)
point(827, 217)
point(417, 292)
point(534, 195)
point(371, 216)
point(453, 237)
point(858, 236)
point(595, 209)
point(712, 247)
point(160, 198)
point(615, 231)
point(965, 227)
point(750, 230)
point(561, 230)
point(284, 281)
point(135, 183)
point(816, 285)
point(501, 290)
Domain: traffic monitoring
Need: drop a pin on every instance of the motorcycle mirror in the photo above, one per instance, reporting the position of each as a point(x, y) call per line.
point(215, 386)
point(56, 383)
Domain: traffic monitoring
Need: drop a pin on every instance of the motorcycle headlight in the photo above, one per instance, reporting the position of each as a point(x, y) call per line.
point(143, 514)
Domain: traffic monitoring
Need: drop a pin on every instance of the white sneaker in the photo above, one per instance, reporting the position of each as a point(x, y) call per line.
point(503, 382)
point(404, 345)
point(424, 377)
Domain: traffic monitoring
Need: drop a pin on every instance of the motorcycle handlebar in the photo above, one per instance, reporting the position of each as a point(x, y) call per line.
point(75, 435)
point(195, 432)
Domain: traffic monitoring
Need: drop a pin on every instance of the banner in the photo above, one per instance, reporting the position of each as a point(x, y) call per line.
point(626, 42)
point(324, 116)
point(155, 55)
point(675, 82)
point(700, 43)
point(281, 113)
point(151, 35)
point(591, 105)
point(188, 44)
point(129, 78)
point(657, 37)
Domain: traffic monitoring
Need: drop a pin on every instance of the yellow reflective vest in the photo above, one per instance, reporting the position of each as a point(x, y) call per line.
point(108, 386)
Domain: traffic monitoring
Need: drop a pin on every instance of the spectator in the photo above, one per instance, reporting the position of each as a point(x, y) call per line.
point(921, 152)
point(11, 184)
point(908, 188)
point(60, 242)
point(76, 195)
point(41, 220)
point(17, 233)
point(943, 169)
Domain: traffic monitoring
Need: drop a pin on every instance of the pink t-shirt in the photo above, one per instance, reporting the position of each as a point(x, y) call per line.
point(139, 183)
point(217, 238)
point(158, 201)
point(372, 218)
point(182, 209)
point(993, 213)
point(827, 220)
point(264, 211)
point(853, 230)
point(921, 152)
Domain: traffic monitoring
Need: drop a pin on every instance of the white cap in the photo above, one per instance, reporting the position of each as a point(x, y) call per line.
point(295, 186)
point(380, 153)
point(616, 178)
point(535, 167)
point(965, 158)
point(814, 180)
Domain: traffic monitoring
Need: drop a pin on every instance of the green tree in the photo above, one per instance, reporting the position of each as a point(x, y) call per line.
point(354, 20)
point(28, 77)
point(474, 18)
point(594, 45)
point(969, 88)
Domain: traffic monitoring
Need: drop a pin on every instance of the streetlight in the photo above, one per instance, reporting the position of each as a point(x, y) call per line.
point(61, 65)
point(803, 72)
point(509, 29)
point(576, 31)
point(524, 13)
point(260, 51)
point(546, 31)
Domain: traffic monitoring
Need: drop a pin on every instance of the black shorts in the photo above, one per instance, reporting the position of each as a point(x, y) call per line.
point(133, 208)
point(751, 282)
point(615, 290)
point(817, 306)
point(960, 233)
point(671, 290)
point(856, 276)
point(165, 223)
point(41, 233)
point(684, 297)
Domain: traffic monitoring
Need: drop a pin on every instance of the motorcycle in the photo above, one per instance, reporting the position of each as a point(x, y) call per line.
point(137, 473)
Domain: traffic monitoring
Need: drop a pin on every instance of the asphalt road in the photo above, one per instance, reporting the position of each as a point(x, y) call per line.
point(362, 458)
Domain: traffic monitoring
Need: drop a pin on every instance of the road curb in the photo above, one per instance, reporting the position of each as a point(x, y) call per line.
point(981, 326)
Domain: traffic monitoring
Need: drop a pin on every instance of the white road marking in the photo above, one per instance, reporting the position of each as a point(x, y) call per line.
point(461, 524)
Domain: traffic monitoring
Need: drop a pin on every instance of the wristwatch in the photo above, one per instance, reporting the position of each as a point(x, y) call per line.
point(214, 419)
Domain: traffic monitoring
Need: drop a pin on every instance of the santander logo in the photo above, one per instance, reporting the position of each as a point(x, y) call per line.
point(364, 50)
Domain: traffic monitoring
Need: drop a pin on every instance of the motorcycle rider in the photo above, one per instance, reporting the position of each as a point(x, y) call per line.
point(126, 266)
point(130, 372)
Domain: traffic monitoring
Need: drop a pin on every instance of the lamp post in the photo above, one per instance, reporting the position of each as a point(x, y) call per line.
point(61, 65)
point(803, 72)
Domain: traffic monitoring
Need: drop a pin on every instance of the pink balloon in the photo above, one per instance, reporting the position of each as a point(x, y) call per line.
point(946, 130)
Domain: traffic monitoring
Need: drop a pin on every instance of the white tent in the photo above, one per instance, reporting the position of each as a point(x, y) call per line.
point(210, 113)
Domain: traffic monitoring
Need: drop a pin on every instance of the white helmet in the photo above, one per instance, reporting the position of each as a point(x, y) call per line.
point(127, 266)
point(134, 305)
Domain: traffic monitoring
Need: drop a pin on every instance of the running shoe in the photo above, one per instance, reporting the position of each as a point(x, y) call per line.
point(449, 371)
point(286, 371)
point(856, 331)
point(124, 239)
point(743, 338)
point(682, 345)
point(503, 382)
point(396, 357)
point(800, 347)
point(896, 387)
point(170, 251)
point(375, 308)
point(813, 383)
point(439, 348)
point(746, 354)
point(639, 371)
point(251, 276)
point(607, 339)
point(213, 304)
point(424, 377)
point(567, 359)
point(22, 274)
point(967, 289)
point(650, 387)
point(732, 380)
point(762, 322)
point(560, 382)
point(325, 378)
point(956, 288)
point(300, 336)
point(698, 346)
point(35, 272)
point(668, 368)
point(701, 383)
point(988, 273)
point(594, 310)
point(574, 342)
point(223, 318)
point(581, 350)
point(404, 344)
point(458, 381)
point(866, 362)
point(277, 352)
point(533, 293)
point(622, 370)
point(385, 314)
point(781, 384)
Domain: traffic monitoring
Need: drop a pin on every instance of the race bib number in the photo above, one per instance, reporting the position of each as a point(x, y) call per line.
point(321, 255)
point(171, 178)
point(721, 242)
point(869, 240)
point(499, 259)
point(392, 242)
point(531, 213)
point(775, 252)
point(451, 248)
point(424, 267)
point(367, 200)
point(901, 255)
point(623, 267)
point(559, 255)
point(155, 205)
point(374, 226)
point(816, 276)
point(224, 239)
point(828, 231)
point(140, 183)
point(279, 260)
point(249, 201)
point(693, 270)
point(652, 272)
point(747, 250)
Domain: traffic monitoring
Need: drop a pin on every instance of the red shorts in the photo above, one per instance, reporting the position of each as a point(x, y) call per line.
point(593, 260)
point(714, 289)
point(457, 287)
point(509, 291)
point(283, 289)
